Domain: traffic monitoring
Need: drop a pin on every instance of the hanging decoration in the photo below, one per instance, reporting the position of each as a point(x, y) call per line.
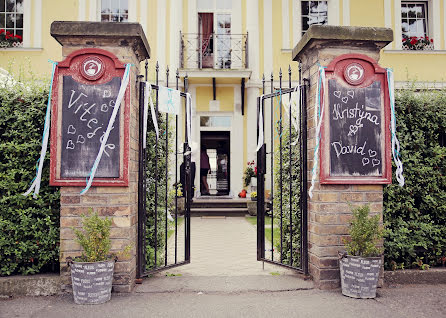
point(124, 84)
point(395, 141)
point(148, 100)
point(169, 100)
point(46, 132)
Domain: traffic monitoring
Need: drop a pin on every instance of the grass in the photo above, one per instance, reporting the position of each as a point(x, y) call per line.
point(268, 229)
point(253, 220)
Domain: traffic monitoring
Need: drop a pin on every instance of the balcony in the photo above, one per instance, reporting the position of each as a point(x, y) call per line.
point(219, 55)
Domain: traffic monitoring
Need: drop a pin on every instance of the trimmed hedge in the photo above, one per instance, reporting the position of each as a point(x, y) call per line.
point(415, 215)
point(29, 239)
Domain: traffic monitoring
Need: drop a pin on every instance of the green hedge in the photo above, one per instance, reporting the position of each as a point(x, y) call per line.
point(415, 215)
point(29, 228)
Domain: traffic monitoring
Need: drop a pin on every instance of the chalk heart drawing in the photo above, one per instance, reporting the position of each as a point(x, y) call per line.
point(372, 153)
point(71, 130)
point(337, 94)
point(351, 93)
point(104, 108)
point(80, 139)
point(353, 130)
point(365, 161)
point(375, 162)
point(345, 100)
point(70, 144)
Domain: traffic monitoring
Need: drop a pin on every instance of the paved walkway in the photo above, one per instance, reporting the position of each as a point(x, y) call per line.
point(221, 247)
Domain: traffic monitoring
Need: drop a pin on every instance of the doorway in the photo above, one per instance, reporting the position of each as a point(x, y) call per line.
point(217, 145)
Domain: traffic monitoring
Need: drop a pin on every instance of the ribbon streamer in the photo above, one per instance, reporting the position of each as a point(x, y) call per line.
point(294, 117)
point(46, 132)
point(189, 118)
point(395, 141)
point(260, 139)
point(147, 100)
point(125, 81)
point(318, 115)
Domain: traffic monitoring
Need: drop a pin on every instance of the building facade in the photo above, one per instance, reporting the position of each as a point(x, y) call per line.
point(225, 47)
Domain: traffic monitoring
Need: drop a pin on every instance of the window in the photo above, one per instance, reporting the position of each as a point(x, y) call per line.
point(114, 10)
point(313, 12)
point(415, 26)
point(11, 21)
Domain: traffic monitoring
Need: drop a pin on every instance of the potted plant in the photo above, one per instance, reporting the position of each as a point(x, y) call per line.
point(92, 272)
point(181, 200)
point(250, 175)
point(360, 266)
point(252, 204)
point(8, 39)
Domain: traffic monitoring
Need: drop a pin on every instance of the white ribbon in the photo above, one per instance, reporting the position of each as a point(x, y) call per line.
point(395, 142)
point(46, 132)
point(260, 139)
point(295, 115)
point(189, 118)
point(147, 100)
point(125, 81)
point(319, 115)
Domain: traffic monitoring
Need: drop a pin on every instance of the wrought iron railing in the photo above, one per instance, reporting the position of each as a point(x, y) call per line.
point(218, 51)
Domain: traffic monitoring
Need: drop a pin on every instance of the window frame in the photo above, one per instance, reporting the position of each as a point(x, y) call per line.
point(14, 29)
point(302, 16)
point(110, 14)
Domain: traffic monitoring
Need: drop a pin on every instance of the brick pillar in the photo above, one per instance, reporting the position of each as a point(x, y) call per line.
point(328, 211)
point(129, 44)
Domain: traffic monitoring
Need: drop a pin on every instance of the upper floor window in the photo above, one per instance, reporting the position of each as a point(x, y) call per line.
point(114, 10)
point(415, 25)
point(313, 12)
point(11, 23)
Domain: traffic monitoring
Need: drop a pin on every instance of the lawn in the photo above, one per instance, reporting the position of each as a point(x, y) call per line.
point(172, 226)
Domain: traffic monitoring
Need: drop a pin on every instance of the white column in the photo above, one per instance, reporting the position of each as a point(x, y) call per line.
point(252, 26)
point(132, 11)
point(346, 12)
point(297, 23)
point(161, 37)
point(267, 36)
point(252, 94)
point(176, 16)
point(81, 10)
point(333, 12)
point(143, 17)
point(93, 13)
point(387, 19)
point(436, 23)
point(444, 24)
point(397, 37)
point(237, 144)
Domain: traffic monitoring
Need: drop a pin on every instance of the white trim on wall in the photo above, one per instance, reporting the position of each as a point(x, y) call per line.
point(297, 26)
point(333, 12)
point(267, 36)
point(94, 14)
point(192, 17)
point(161, 37)
point(436, 20)
point(176, 9)
point(132, 11)
point(444, 24)
point(388, 19)
point(252, 26)
point(143, 14)
point(397, 36)
point(285, 25)
point(81, 11)
point(37, 25)
point(346, 12)
point(27, 23)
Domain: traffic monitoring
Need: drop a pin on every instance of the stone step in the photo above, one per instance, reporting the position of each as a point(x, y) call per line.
point(218, 203)
point(218, 211)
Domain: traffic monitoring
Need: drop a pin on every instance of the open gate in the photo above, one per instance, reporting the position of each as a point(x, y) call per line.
point(165, 186)
point(282, 160)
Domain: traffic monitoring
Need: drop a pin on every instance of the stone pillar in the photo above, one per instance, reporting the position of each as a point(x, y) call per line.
point(328, 211)
point(129, 44)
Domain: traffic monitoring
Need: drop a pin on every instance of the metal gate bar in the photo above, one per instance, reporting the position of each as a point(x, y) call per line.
point(296, 209)
point(142, 266)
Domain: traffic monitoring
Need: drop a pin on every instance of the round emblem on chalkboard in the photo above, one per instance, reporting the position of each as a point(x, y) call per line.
point(354, 74)
point(92, 68)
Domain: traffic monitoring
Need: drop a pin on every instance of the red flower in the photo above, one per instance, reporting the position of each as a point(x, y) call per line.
point(413, 41)
point(18, 37)
point(255, 170)
point(2, 31)
point(432, 41)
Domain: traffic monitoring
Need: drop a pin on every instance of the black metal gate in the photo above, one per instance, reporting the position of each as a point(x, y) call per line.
point(165, 187)
point(282, 211)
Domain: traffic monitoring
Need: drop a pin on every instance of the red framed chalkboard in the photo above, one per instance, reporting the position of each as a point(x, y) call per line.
point(86, 85)
point(355, 135)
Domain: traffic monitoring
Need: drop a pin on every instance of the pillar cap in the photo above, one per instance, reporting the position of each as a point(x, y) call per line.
point(87, 34)
point(331, 33)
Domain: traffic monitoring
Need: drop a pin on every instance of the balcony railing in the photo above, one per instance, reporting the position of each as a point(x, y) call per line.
point(218, 51)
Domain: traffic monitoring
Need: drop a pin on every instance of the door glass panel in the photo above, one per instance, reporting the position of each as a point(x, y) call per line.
point(215, 121)
point(223, 41)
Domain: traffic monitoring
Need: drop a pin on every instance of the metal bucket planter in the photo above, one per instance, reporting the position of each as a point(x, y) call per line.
point(92, 282)
point(252, 207)
point(359, 275)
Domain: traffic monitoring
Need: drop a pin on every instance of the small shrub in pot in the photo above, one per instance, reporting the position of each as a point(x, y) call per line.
point(92, 272)
point(360, 266)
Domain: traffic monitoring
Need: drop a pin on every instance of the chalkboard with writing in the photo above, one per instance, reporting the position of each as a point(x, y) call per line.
point(86, 111)
point(355, 130)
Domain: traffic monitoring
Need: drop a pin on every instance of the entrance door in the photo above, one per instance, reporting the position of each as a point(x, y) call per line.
point(165, 186)
point(217, 146)
point(282, 201)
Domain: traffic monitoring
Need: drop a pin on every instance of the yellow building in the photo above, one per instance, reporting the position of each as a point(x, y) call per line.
point(225, 46)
